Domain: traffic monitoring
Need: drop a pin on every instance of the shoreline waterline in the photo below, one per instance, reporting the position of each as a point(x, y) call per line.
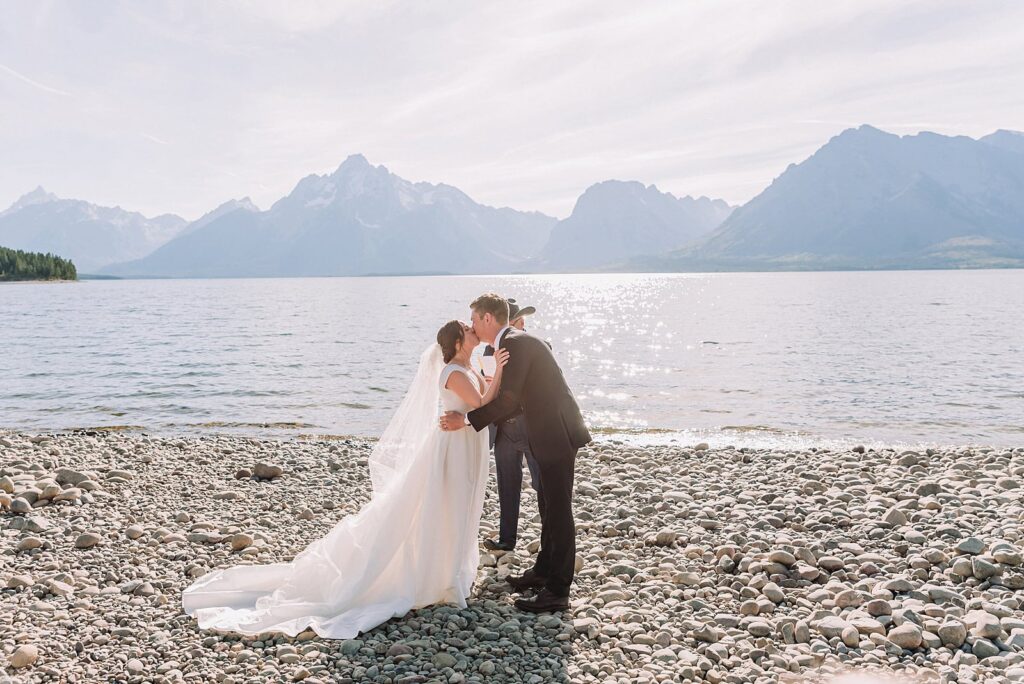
point(745, 438)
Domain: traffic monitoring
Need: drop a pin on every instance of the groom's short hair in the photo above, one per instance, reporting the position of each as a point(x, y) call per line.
point(491, 303)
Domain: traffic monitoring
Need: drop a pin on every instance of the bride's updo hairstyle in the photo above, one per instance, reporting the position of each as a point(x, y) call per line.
point(449, 336)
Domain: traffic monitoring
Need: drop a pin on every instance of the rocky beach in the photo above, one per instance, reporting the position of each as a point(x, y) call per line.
point(695, 564)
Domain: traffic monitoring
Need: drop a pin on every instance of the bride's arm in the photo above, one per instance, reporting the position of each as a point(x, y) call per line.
point(500, 359)
point(469, 391)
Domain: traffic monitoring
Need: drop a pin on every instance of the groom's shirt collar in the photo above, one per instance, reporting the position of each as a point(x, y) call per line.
point(501, 333)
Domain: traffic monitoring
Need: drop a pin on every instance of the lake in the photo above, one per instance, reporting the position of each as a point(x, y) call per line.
point(783, 359)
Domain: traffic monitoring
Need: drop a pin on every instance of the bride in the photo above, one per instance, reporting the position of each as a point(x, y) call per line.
point(414, 544)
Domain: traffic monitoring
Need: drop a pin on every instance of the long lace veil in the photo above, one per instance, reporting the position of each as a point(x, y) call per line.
point(413, 423)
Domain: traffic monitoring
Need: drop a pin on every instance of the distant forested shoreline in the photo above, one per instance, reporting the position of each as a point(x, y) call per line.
point(18, 265)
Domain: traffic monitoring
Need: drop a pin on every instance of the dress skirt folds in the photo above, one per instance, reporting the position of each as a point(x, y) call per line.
point(414, 544)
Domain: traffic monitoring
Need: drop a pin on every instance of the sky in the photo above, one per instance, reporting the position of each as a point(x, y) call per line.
point(179, 106)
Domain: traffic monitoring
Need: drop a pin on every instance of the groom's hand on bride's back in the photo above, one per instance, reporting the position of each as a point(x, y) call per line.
point(452, 420)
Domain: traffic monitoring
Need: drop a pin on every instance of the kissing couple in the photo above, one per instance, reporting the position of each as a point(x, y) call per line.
point(414, 544)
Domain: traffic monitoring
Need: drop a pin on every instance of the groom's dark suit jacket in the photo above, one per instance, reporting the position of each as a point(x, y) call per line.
point(533, 383)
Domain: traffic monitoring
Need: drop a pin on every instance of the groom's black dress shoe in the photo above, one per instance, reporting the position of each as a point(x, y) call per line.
point(543, 602)
point(492, 545)
point(528, 580)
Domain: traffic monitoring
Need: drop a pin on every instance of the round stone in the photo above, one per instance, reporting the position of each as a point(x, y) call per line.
point(907, 635)
point(983, 648)
point(962, 567)
point(749, 608)
point(350, 647)
point(267, 471)
point(832, 626)
point(983, 568)
point(24, 656)
point(987, 625)
point(773, 593)
point(1008, 556)
point(831, 563)
point(759, 628)
point(443, 660)
point(87, 540)
point(782, 557)
point(240, 541)
point(848, 598)
point(895, 517)
point(878, 607)
point(665, 538)
point(29, 543)
point(50, 491)
point(71, 494)
point(953, 633)
point(971, 546)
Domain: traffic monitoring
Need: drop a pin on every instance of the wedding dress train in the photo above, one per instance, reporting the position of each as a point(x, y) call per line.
point(414, 544)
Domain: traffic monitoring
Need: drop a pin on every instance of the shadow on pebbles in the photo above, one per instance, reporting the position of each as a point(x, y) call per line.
point(719, 565)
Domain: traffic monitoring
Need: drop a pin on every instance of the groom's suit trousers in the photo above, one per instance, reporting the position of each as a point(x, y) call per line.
point(510, 448)
point(557, 557)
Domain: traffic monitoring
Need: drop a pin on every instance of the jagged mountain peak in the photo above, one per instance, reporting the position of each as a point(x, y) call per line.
point(615, 220)
point(865, 134)
point(245, 203)
point(1007, 131)
point(354, 177)
point(356, 168)
point(232, 205)
point(1005, 139)
point(605, 193)
point(37, 196)
point(355, 162)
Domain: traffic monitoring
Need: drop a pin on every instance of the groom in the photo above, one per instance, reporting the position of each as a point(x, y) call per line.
point(533, 383)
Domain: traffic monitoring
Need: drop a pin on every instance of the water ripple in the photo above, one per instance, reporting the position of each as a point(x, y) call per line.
point(901, 357)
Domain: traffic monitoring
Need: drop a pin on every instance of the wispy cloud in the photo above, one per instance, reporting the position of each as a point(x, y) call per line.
point(520, 105)
point(35, 84)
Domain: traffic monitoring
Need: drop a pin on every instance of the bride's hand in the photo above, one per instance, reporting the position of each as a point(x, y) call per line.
point(500, 359)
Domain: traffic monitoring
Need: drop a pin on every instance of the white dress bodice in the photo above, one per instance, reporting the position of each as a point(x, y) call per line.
point(450, 401)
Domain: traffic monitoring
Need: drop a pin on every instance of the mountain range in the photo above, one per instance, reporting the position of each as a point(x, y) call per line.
point(871, 199)
point(361, 219)
point(91, 236)
point(865, 199)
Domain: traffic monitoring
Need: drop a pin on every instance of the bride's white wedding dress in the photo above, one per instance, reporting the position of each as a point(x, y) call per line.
point(414, 544)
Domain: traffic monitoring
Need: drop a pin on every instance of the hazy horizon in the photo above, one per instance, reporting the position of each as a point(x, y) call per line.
point(164, 109)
